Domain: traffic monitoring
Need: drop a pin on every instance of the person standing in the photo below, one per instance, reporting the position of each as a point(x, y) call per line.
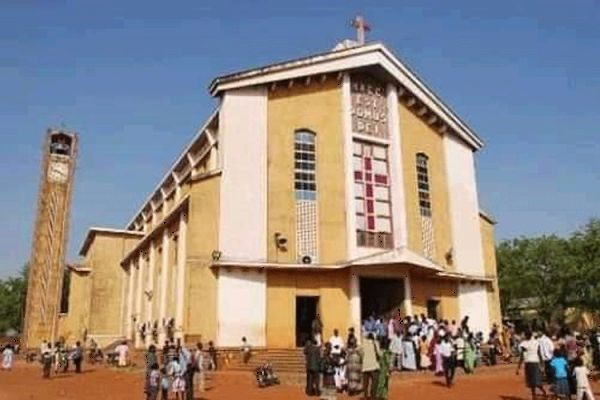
point(396, 350)
point(150, 361)
point(470, 354)
point(336, 342)
point(547, 353)
point(383, 379)
point(122, 351)
point(212, 353)
point(7, 357)
point(199, 360)
point(313, 364)
point(153, 382)
point(328, 364)
point(530, 355)
point(317, 329)
point(370, 366)
point(424, 359)
point(559, 365)
point(47, 359)
point(409, 353)
point(77, 357)
point(448, 352)
point(165, 384)
point(353, 369)
point(581, 377)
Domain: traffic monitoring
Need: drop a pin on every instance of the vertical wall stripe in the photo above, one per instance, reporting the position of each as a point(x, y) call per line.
point(348, 168)
point(396, 172)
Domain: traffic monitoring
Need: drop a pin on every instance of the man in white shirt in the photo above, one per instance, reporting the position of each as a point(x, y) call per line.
point(122, 351)
point(336, 342)
point(530, 355)
point(546, 353)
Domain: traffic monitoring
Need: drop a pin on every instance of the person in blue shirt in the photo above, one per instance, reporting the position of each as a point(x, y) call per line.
point(560, 367)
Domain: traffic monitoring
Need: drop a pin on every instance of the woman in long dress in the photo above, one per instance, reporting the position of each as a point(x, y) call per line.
point(437, 352)
point(409, 353)
point(354, 370)
point(424, 350)
point(470, 354)
point(383, 379)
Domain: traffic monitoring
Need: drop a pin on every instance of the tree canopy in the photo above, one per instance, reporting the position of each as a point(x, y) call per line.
point(12, 301)
point(552, 273)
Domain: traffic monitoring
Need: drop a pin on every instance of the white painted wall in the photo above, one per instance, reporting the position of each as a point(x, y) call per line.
point(472, 301)
point(352, 248)
point(464, 207)
point(242, 307)
point(397, 179)
point(243, 144)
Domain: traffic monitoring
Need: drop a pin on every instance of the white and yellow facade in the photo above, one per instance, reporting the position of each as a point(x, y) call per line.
point(318, 178)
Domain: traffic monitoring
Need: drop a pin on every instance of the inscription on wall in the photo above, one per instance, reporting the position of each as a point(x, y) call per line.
point(369, 107)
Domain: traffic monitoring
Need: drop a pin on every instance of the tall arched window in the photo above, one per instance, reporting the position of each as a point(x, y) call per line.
point(305, 185)
point(424, 191)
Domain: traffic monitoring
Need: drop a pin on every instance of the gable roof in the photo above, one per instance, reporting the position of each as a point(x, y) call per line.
point(375, 54)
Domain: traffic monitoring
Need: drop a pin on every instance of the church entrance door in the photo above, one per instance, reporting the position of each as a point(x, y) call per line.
point(380, 296)
point(306, 312)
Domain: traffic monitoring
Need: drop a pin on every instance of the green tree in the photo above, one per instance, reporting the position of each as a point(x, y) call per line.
point(552, 274)
point(13, 292)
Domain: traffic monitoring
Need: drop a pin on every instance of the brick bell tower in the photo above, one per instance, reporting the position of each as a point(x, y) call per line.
point(50, 233)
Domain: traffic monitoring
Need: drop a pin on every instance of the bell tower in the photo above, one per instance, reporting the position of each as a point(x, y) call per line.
point(50, 233)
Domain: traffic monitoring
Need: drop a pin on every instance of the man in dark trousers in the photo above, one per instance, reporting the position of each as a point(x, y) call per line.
point(312, 355)
point(78, 357)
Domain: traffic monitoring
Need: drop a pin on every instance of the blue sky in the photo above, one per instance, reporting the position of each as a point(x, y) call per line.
point(132, 77)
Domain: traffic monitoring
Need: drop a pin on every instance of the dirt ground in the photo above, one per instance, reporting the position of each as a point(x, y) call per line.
point(24, 382)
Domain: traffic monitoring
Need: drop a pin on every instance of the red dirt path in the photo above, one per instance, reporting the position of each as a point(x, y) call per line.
point(24, 382)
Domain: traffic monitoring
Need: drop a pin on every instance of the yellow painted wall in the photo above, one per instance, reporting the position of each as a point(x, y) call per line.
point(445, 291)
point(72, 325)
point(96, 298)
point(489, 257)
point(316, 107)
point(416, 137)
point(282, 289)
point(202, 238)
point(105, 309)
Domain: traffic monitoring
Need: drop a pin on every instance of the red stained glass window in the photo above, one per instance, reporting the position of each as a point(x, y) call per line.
point(369, 187)
point(358, 176)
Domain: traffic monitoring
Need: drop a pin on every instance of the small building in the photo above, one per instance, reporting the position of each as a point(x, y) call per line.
point(337, 184)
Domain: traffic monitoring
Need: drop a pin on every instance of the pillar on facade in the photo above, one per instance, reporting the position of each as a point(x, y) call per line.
point(150, 294)
point(180, 289)
point(164, 284)
point(138, 300)
point(129, 309)
point(355, 304)
point(407, 295)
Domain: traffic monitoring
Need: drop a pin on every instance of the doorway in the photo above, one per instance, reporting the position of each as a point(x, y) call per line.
point(306, 311)
point(380, 296)
point(433, 309)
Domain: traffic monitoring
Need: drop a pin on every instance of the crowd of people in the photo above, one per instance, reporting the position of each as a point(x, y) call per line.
point(58, 356)
point(391, 344)
point(178, 370)
point(562, 360)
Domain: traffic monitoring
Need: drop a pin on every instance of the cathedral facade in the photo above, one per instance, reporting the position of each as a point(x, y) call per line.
point(337, 184)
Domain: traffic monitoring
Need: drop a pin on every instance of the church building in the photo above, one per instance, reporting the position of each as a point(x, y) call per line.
point(337, 184)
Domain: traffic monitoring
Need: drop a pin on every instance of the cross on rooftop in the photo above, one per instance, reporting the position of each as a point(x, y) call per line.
point(361, 27)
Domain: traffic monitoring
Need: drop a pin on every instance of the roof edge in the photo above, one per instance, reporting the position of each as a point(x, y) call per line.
point(94, 230)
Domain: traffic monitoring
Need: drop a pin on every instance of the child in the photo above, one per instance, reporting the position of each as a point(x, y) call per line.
point(212, 353)
point(153, 382)
point(165, 384)
point(583, 384)
point(560, 367)
point(176, 372)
